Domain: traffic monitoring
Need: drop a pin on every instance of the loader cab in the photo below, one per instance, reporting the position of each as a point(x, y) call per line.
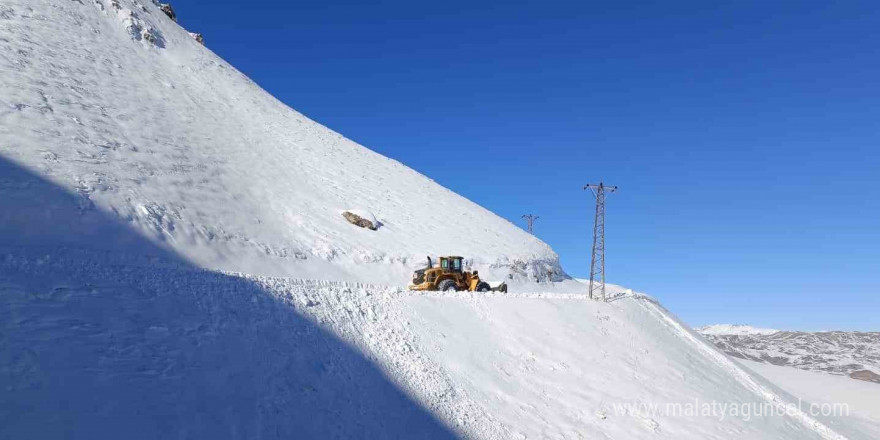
point(451, 264)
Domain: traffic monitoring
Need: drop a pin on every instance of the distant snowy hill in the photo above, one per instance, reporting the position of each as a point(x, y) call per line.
point(734, 329)
point(835, 352)
point(118, 104)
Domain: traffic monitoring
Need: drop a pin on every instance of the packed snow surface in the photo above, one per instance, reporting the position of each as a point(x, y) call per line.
point(117, 103)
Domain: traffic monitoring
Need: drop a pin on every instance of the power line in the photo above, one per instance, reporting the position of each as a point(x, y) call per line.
point(530, 222)
point(597, 263)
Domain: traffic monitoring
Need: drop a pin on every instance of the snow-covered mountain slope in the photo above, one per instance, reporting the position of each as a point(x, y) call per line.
point(94, 345)
point(117, 103)
point(159, 349)
point(134, 163)
point(836, 352)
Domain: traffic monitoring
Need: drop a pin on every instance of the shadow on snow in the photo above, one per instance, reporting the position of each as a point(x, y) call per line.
point(104, 334)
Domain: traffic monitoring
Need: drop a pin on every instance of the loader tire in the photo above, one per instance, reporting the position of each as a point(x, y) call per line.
point(483, 287)
point(446, 286)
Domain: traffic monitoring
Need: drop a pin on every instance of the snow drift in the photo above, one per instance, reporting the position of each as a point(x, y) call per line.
point(114, 101)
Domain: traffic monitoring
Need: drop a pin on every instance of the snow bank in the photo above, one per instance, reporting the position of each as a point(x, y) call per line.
point(217, 355)
point(156, 349)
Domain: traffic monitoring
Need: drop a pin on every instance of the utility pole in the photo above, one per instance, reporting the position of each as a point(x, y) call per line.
point(530, 221)
point(597, 264)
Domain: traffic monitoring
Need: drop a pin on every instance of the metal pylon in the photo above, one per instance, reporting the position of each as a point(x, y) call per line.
point(530, 222)
point(597, 263)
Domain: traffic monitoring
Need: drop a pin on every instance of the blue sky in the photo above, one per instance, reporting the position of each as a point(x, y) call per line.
point(745, 136)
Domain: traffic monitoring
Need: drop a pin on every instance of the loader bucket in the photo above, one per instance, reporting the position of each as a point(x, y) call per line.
point(500, 288)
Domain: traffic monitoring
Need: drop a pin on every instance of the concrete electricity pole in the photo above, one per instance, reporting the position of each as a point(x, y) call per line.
point(530, 221)
point(597, 264)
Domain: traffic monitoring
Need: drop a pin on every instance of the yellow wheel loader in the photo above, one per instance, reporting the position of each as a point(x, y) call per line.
point(449, 276)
